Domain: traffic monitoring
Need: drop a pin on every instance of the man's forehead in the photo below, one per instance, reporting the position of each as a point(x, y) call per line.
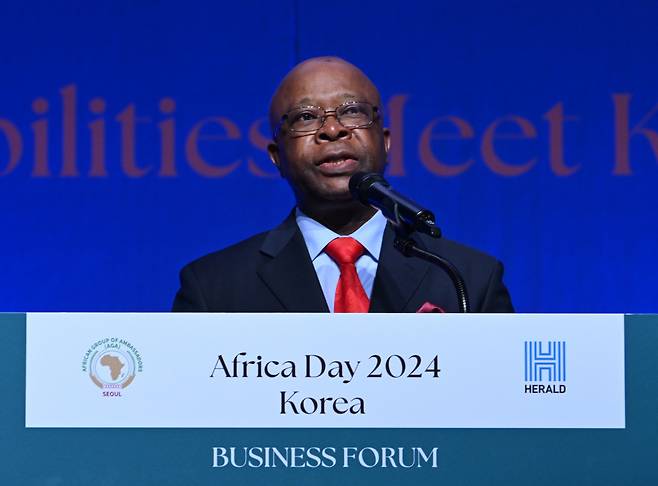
point(326, 85)
point(324, 82)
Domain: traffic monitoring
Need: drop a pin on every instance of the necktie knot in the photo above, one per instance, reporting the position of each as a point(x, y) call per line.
point(350, 295)
point(344, 251)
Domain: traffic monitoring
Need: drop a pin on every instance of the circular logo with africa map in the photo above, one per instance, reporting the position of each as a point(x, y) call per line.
point(112, 364)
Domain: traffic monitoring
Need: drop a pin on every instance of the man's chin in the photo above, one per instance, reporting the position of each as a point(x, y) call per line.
point(338, 196)
point(329, 199)
point(337, 190)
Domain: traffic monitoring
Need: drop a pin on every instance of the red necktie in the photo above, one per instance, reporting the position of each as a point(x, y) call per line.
point(350, 296)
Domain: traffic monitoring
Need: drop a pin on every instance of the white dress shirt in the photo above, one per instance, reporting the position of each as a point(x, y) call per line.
point(317, 237)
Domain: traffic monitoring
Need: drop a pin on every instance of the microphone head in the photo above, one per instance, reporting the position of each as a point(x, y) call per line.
point(361, 182)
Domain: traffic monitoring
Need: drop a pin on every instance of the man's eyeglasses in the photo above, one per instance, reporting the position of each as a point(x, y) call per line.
point(308, 119)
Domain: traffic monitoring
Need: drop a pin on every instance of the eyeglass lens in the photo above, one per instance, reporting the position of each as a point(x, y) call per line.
point(351, 115)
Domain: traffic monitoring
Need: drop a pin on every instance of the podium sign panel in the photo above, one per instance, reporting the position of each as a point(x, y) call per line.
point(510, 399)
point(306, 370)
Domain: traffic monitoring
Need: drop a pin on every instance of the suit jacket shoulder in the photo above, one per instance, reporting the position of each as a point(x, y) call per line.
point(269, 272)
point(216, 274)
point(482, 273)
point(404, 284)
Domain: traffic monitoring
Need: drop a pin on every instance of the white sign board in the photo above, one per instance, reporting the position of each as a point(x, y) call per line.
point(325, 370)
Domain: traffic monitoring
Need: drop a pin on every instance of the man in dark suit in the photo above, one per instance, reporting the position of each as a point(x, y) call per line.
point(333, 253)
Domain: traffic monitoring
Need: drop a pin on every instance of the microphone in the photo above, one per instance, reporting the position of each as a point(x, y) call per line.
point(373, 190)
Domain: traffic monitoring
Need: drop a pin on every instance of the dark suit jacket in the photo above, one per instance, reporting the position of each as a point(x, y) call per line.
point(273, 272)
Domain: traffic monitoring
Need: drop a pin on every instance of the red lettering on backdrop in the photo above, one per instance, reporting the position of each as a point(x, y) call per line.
point(491, 134)
point(167, 139)
point(510, 127)
point(69, 130)
point(40, 132)
point(395, 109)
point(427, 157)
point(261, 142)
point(129, 120)
point(97, 134)
point(15, 144)
point(556, 119)
point(623, 134)
point(231, 132)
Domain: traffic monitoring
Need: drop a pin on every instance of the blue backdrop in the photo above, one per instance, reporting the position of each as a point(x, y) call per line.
point(132, 139)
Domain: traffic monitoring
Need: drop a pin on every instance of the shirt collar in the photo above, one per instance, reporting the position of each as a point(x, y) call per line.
point(316, 236)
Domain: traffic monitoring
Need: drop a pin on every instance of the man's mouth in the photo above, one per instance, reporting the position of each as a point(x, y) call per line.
point(338, 164)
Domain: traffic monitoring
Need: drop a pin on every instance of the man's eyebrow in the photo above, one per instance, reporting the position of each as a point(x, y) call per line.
point(299, 103)
point(306, 101)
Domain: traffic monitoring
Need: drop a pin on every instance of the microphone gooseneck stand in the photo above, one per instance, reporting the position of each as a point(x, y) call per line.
point(408, 247)
point(406, 217)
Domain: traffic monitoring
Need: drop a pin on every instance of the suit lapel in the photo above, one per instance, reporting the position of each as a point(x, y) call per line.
point(289, 274)
point(398, 277)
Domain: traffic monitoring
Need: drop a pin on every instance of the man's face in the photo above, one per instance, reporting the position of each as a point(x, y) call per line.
point(318, 165)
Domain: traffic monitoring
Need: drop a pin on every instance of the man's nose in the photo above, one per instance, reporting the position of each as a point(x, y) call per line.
point(332, 130)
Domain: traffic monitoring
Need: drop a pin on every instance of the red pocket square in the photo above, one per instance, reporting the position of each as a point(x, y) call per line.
point(429, 307)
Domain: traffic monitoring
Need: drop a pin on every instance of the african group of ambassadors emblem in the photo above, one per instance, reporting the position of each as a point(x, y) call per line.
point(112, 364)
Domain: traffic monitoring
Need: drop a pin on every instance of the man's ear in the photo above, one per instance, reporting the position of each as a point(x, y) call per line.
point(273, 153)
point(387, 139)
